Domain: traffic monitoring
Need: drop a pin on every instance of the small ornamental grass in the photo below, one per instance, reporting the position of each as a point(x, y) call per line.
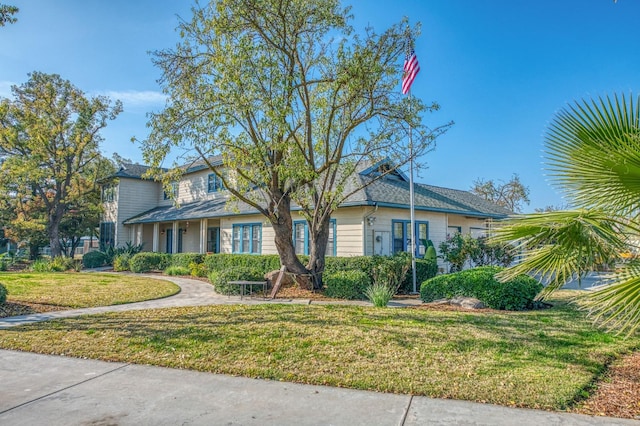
point(380, 294)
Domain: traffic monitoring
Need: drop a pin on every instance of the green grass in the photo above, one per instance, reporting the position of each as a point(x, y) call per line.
point(74, 290)
point(538, 359)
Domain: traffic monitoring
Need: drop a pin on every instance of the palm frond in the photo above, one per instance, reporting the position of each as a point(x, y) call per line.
point(593, 153)
point(563, 245)
point(617, 304)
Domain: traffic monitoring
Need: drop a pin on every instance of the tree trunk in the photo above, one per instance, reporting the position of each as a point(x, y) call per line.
point(283, 228)
point(319, 238)
point(55, 218)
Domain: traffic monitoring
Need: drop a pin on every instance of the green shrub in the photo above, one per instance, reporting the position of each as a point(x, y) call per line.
point(122, 262)
point(346, 284)
point(222, 261)
point(197, 269)
point(360, 263)
point(149, 261)
point(177, 270)
point(57, 264)
point(3, 294)
point(431, 253)
point(425, 269)
point(379, 294)
point(221, 278)
point(94, 259)
point(514, 295)
point(185, 259)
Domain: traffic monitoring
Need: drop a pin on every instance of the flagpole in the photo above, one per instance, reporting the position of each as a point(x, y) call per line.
point(412, 207)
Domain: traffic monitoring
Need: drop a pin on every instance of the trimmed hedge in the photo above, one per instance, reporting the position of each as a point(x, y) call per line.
point(514, 295)
point(149, 261)
point(425, 269)
point(347, 284)
point(3, 294)
point(185, 259)
point(94, 259)
point(221, 278)
point(177, 270)
point(220, 261)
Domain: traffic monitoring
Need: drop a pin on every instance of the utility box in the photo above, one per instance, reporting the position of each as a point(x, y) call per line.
point(382, 243)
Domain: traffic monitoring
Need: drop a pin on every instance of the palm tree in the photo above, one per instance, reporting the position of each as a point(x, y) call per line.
point(593, 156)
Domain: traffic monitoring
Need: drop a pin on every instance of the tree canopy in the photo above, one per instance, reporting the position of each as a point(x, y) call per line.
point(49, 153)
point(6, 14)
point(511, 195)
point(294, 101)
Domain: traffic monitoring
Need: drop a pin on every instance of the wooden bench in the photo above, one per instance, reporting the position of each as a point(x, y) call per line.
point(244, 284)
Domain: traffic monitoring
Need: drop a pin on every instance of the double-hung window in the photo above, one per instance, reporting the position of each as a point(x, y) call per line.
point(301, 237)
point(247, 238)
point(401, 230)
point(109, 193)
point(214, 183)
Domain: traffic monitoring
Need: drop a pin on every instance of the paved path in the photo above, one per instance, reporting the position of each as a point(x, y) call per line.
point(51, 390)
point(192, 293)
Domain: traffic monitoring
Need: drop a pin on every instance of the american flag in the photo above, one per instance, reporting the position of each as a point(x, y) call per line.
point(411, 69)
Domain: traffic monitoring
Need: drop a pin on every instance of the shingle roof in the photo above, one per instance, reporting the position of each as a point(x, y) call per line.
point(133, 171)
point(395, 193)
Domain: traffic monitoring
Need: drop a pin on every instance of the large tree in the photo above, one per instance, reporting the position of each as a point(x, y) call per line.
point(294, 101)
point(49, 147)
point(593, 156)
point(511, 195)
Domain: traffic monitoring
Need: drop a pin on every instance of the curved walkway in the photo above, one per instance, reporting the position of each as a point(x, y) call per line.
point(192, 293)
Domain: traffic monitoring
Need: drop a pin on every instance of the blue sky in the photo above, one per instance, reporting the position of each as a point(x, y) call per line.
point(500, 69)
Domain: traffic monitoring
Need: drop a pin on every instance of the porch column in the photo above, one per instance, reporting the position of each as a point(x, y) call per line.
point(139, 233)
point(174, 243)
point(203, 236)
point(156, 237)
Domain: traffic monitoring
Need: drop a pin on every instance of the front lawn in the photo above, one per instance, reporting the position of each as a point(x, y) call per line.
point(538, 359)
point(75, 290)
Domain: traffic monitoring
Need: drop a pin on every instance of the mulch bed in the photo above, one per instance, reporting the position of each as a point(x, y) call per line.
point(618, 394)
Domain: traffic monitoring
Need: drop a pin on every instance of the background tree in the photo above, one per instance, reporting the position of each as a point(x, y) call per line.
point(49, 145)
point(6, 14)
point(511, 195)
point(593, 156)
point(294, 102)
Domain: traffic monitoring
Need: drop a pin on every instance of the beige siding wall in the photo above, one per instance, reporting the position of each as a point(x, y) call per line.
point(134, 197)
point(468, 225)
point(191, 188)
point(349, 231)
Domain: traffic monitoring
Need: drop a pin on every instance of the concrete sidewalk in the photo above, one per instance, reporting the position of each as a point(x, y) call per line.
point(52, 390)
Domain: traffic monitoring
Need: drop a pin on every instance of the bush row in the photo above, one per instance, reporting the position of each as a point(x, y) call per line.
point(514, 295)
point(338, 283)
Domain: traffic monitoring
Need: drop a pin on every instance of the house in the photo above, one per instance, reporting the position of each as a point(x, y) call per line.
point(374, 220)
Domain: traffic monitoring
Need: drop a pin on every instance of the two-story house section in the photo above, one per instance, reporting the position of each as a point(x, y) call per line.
point(374, 220)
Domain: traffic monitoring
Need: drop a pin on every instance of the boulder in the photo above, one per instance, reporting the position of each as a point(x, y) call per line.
point(272, 277)
point(468, 302)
